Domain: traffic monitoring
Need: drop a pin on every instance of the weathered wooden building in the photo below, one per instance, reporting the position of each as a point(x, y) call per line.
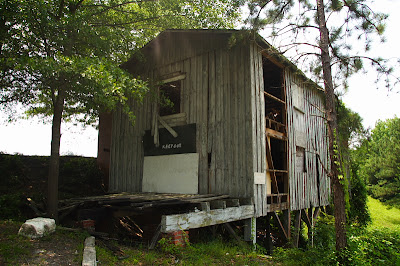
point(225, 115)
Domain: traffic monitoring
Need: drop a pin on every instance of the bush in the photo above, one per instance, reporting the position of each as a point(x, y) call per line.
point(358, 213)
point(11, 206)
point(374, 247)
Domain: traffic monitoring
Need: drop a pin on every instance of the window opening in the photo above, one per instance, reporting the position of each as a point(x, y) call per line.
point(170, 98)
point(276, 137)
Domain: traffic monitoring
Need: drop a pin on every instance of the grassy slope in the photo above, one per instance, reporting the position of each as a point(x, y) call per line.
point(383, 216)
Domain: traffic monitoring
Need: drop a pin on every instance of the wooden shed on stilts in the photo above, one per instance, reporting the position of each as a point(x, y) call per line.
point(226, 115)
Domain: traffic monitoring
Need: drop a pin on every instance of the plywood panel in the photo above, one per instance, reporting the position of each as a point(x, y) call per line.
point(171, 173)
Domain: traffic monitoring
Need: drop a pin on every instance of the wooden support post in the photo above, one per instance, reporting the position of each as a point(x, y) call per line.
point(214, 229)
point(268, 240)
point(297, 227)
point(315, 215)
point(280, 225)
point(306, 218)
point(205, 206)
point(229, 228)
point(250, 232)
point(155, 237)
point(287, 222)
point(311, 227)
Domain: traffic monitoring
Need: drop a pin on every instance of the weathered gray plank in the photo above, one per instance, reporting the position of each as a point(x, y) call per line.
point(211, 122)
point(219, 136)
point(178, 222)
point(203, 110)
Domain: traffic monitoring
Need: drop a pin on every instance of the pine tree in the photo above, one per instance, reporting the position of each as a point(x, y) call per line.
point(329, 55)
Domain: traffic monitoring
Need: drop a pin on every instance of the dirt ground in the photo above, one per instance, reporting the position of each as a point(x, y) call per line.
point(53, 252)
point(59, 248)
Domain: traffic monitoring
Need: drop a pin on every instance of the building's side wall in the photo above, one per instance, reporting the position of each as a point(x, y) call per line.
point(258, 128)
point(127, 148)
point(104, 145)
point(217, 99)
point(307, 130)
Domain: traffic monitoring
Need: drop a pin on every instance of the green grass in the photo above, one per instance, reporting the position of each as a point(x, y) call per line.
point(378, 244)
point(383, 216)
point(12, 246)
point(215, 252)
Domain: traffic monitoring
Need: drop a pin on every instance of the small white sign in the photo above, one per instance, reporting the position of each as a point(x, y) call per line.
point(259, 178)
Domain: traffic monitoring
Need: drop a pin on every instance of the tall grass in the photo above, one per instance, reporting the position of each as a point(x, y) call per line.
point(378, 244)
point(383, 216)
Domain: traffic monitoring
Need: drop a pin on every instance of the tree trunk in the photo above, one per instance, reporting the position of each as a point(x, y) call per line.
point(52, 184)
point(338, 189)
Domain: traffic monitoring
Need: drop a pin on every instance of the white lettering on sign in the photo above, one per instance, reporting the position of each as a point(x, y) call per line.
point(172, 146)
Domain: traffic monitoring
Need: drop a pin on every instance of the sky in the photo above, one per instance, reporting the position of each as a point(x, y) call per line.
point(363, 97)
point(32, 137)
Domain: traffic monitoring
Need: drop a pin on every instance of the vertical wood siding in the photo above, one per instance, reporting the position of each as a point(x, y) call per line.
point(216, 96)
point(258, 128)
point(310, 188)
point(223, 93)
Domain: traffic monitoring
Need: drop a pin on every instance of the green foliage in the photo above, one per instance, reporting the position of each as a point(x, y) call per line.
point(79, 176)
point(52, 48)
point(358, 213)
point(294, 29)
point(324, 232)
point(167, 246)
point(25, 176)
point(376, 244)
point(352, 134)
point(375, 247)
point(11, 206)
point(11, 171)
point(323, 252)
point(214, 252)
point(382, 166)
point(61, 59)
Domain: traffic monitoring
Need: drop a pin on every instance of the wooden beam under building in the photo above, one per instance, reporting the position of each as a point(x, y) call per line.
point(185, 221)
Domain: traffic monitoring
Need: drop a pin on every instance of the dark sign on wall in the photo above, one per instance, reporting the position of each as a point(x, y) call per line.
point(185, 142)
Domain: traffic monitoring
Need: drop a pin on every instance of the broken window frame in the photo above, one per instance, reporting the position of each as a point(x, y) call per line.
point(177, 79)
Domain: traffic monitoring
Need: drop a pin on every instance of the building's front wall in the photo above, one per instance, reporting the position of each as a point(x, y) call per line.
point(216, 97)
point(222, 93)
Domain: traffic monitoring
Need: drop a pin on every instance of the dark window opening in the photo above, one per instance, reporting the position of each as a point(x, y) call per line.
point(170, 98)
point(273, 86)
point(273, 79)
point(275, 122)
point(278, 153)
